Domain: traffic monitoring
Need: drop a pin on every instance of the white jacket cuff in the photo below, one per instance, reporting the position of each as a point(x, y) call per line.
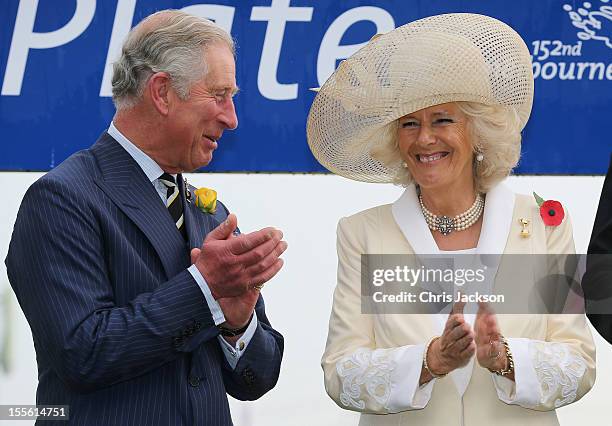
point(405, 392)
point(525, 389)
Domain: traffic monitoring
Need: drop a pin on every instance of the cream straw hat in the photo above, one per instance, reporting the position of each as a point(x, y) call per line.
point(435, 60)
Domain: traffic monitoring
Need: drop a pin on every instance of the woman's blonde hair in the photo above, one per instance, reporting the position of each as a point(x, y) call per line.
point(495, 133)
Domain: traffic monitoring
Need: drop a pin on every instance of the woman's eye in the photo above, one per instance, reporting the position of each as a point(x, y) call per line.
point(409, 124)
point(444, 120)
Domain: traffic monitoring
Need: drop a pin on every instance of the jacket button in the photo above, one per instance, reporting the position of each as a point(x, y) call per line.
point(248, 376)
point(194, 381)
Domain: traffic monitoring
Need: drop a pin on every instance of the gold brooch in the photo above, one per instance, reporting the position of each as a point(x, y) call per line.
point(524, 227)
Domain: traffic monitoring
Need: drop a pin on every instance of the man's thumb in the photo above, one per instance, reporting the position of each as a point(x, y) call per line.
point(224, 230)
point(195, 252)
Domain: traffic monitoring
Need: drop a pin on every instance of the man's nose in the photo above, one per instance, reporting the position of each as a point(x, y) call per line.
point(228, 116)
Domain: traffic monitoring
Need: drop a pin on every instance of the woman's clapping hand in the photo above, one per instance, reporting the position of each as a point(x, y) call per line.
point(456, 345)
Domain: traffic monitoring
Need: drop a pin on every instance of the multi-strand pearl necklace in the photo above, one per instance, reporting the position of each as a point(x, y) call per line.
point(445, 225)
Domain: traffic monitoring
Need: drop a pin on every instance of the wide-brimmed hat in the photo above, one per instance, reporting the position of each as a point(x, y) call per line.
point(435, 60)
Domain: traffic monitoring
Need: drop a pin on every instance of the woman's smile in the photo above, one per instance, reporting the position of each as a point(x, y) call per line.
point(432, 159)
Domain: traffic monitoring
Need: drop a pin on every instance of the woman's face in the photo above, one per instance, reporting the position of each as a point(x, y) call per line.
point(435, 144)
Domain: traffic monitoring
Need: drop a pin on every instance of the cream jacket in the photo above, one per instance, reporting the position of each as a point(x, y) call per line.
point(372, 363)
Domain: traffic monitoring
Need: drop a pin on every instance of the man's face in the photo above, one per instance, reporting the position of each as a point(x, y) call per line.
point(197, 123)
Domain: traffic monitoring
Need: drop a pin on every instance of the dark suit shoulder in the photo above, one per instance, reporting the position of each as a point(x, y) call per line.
point(79, 165)
point(66, 187)
point(69, 183)
point(601, 236)
point(82, 168)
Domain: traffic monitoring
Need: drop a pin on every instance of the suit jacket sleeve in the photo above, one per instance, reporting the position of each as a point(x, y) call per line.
point(358, 376)
point(58, 269)
point(559, 370)
point(258, 368)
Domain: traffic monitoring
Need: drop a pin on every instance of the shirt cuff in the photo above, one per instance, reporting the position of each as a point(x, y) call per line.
point(525, 389)
point(213, 305)
point(233, 353)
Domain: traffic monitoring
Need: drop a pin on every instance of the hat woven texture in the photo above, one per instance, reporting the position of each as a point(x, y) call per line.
point(435, 60)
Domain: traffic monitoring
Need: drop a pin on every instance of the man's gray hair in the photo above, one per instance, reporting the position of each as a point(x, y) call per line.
point(168, 41)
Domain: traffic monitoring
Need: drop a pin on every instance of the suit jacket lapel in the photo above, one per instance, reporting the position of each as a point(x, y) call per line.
point(408, 216)
point(128, 187)
point(198, 223)
point(496, 220)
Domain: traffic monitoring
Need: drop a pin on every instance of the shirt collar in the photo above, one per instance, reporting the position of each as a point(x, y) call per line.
point(146, 163)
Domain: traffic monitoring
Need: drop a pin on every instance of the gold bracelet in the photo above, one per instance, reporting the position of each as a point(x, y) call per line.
point(425, 366)
point(509, 359)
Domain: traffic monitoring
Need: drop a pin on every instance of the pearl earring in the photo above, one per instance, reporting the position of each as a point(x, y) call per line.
point(479, 157)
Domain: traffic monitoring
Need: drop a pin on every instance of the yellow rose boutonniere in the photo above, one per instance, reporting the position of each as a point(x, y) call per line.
point(206, 200)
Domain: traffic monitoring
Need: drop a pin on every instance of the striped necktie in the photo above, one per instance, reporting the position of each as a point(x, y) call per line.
point(174, 202)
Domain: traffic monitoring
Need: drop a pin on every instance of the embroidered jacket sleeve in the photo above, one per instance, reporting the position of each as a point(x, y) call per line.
point(359, 376)
point(559, 370)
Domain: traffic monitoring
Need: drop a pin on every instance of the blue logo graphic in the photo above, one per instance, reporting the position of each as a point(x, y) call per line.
point(56, 62)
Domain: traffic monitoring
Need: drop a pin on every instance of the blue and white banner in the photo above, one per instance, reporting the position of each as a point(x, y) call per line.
point(56, 56)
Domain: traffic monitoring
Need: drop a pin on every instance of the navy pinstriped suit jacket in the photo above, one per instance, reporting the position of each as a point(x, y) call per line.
point(122, 332)
point(597, 282)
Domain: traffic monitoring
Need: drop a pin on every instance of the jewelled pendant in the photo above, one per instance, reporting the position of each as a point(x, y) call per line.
point(445, 224)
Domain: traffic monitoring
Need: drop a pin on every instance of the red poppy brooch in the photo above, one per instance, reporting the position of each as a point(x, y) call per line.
point(551, 211)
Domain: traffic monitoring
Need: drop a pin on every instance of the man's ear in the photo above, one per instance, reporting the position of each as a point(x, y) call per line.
point(158, 88)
